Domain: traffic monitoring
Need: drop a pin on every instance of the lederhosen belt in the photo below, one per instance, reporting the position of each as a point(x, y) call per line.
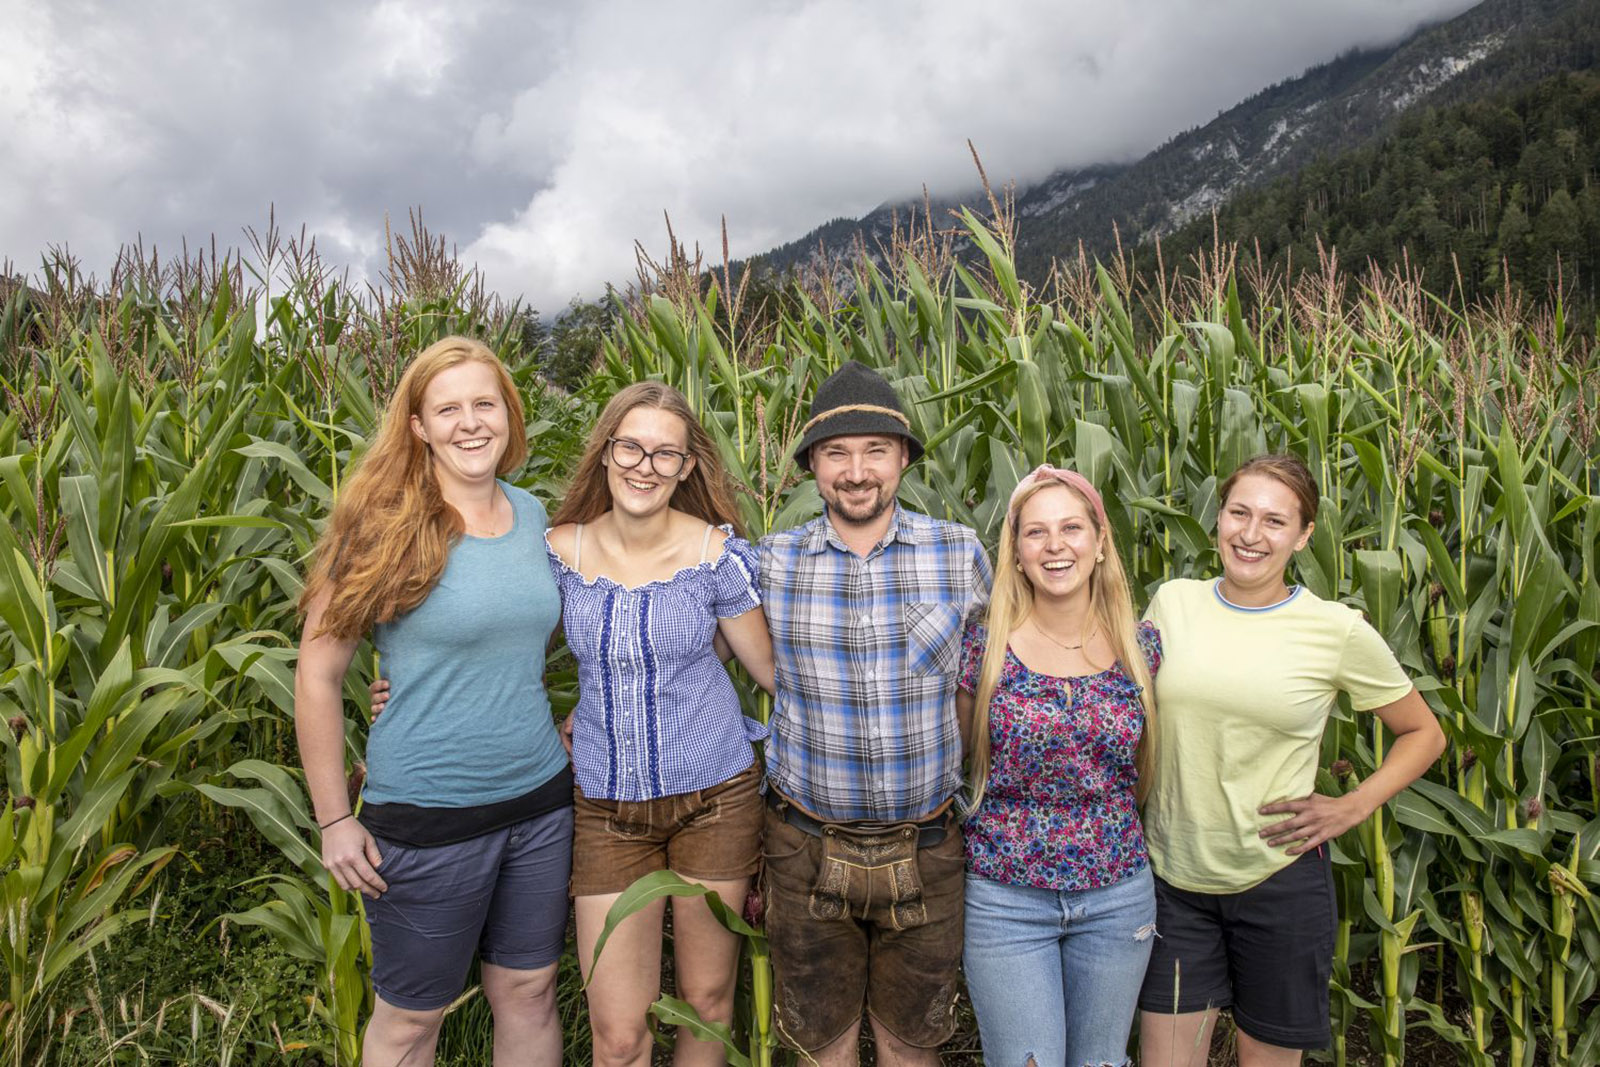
point(858, 860)
point(930, 830)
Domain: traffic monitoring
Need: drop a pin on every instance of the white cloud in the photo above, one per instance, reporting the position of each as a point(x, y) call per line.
point(546, 139)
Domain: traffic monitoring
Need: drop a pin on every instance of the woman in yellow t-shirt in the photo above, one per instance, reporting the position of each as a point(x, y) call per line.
point(1251, 671)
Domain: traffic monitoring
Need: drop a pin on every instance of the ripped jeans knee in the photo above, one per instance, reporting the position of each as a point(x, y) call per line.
point(1054, 975)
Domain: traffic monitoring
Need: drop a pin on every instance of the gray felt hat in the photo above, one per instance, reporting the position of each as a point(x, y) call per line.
point(855, 399)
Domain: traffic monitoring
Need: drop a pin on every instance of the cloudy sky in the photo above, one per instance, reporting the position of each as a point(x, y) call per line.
point(544, 137)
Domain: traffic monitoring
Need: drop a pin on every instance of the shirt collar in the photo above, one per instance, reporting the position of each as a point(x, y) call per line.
point(901, 528)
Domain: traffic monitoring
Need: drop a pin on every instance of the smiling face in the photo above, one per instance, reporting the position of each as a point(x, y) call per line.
point(1057, 542)
point(1259, 529)
point(463, 421)
point(639, 490)
point(858, 475)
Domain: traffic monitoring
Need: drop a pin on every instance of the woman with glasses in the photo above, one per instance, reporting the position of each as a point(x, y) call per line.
point(652, 572)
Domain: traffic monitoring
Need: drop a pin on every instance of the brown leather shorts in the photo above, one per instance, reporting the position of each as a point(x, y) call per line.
point(711, 834)
point(863, 918)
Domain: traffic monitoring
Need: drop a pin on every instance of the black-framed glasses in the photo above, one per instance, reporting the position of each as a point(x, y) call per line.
point(666, 462)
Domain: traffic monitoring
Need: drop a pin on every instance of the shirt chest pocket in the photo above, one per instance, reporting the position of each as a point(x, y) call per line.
point(933, 637)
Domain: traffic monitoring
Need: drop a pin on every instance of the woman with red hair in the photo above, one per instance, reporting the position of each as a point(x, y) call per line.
point(464, 839)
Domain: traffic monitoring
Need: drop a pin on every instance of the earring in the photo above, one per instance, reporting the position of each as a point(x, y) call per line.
point(1099, 557)
point(1019, 568)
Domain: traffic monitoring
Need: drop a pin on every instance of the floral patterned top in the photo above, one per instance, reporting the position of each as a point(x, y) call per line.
point(1059, 810)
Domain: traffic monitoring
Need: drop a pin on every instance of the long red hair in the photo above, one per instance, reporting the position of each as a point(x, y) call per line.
point(390, 533)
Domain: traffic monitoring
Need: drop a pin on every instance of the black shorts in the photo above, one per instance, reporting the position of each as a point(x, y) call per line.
point(1267, 953)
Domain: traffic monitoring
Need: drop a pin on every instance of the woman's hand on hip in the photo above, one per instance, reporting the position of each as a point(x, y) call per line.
point(380, 696)
point(1312, 820)
point(351, 855)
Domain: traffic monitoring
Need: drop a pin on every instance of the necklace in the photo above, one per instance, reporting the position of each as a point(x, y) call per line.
point(1057, 641)
point(488, 529)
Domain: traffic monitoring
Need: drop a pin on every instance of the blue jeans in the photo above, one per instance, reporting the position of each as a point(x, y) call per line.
point(1055, 975)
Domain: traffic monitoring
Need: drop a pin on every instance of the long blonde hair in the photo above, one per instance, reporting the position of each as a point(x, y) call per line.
point(1111, 607)
point(390, 533)
point(705, 493)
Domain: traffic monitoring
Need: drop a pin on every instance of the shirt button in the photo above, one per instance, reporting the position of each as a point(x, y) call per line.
point(866, 620)
point(872, 676)
point(875, 734)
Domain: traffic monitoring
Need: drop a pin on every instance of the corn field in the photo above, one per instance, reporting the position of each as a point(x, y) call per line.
point(174, 436)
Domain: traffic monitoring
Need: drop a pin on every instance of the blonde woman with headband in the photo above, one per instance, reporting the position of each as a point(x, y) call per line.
point(1060, 902)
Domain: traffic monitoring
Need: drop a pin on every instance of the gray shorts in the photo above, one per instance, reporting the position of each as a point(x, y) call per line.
point(502, 895)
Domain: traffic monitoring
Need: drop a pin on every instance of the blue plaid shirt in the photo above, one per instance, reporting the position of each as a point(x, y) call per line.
point(867, 652)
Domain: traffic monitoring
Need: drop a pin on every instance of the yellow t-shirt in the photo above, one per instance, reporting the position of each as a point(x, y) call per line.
point(1241, 700)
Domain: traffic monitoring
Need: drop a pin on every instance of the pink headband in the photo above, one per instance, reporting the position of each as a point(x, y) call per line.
point(1071, 479)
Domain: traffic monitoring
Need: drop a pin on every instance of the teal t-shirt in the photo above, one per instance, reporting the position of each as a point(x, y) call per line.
point(468, 720)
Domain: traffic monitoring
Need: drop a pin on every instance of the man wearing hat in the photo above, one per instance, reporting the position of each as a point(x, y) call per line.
point(864, 862)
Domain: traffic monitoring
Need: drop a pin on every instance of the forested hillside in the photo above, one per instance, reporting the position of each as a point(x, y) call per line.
point(1498, 48)
point(1471, 112)
point(1503, 182)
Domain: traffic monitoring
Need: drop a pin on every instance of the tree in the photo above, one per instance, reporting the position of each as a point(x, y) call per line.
point(576, 341)
point(1557, 232)
point(1512, 239)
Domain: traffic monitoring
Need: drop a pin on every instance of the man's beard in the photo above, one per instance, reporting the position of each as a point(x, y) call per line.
point(859, 514)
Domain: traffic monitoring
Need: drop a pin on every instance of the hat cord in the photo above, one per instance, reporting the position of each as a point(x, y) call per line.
point(844, 409)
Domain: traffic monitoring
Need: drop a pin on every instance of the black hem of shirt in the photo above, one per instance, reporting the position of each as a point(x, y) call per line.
point(416, 826)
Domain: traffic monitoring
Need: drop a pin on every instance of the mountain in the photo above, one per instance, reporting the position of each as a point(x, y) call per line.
point(1501, 188)
point(1497, 47)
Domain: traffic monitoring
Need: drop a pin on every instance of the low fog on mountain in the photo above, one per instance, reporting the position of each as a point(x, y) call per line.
point(545, 139)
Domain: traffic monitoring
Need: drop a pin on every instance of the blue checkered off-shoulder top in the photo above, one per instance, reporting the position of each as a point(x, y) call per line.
point(657, 713)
